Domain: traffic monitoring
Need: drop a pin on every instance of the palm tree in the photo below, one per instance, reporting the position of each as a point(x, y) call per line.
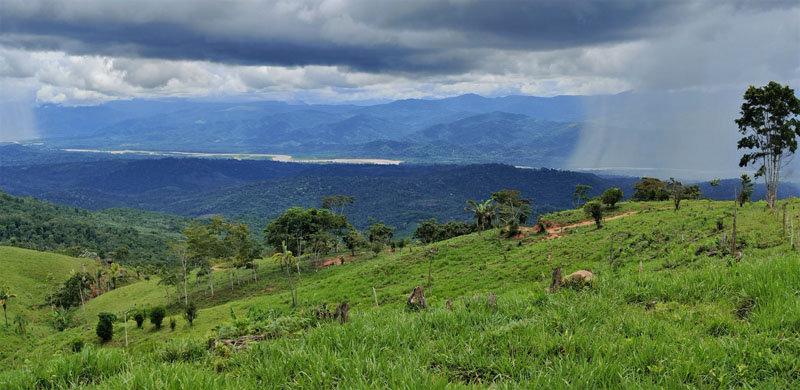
point(114, 271)
point(484, 213)
point(285, 257)
point(5, 295)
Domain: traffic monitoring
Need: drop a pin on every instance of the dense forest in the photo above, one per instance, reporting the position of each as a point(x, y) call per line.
point(32, 224)
point(258, 191)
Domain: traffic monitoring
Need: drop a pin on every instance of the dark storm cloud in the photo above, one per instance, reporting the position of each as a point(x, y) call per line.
point(405, 36)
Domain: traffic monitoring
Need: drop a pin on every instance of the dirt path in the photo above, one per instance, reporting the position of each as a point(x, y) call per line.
point(557, 231)
point(335, 260)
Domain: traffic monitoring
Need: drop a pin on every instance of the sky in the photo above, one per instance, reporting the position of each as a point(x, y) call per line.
point(686, 62)
point(84, 52)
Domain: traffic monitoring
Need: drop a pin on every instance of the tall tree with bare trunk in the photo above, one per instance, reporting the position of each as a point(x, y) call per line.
point(770, 126)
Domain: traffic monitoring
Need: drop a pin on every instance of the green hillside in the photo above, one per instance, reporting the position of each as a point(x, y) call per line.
point(31, 276)
point(33, 224)
point(695, 316)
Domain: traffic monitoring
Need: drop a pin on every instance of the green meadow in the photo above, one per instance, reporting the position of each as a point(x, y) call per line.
point(694, 315)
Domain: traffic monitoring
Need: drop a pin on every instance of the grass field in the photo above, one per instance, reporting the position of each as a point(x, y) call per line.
point(694, 317)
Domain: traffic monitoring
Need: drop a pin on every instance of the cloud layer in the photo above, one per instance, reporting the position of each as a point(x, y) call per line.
point(89, 51)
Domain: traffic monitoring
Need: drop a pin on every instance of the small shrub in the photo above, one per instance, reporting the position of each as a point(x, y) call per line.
point(184, 350)
point(190, 313)
point(377, 247)
point(172, 323)
point(139, 317)
point(76, 345)
point(157, 315)
point(105, 326)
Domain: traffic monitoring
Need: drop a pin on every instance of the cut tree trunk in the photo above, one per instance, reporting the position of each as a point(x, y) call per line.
point(557, 281)
point(342, 311)
point(416, 300)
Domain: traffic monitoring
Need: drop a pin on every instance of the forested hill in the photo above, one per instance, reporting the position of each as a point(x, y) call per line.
point(33, 224)
point(260, 190)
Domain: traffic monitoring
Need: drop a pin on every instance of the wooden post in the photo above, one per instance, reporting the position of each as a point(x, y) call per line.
point(375, 294)
point(125, 319)
point(733, 236)
point(640, 266)
point(792, 239)
point(611, 252)
point(83, 303)
point(430, 267)
point(784, 219)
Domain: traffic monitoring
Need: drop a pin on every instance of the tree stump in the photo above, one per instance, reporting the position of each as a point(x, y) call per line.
point(449, 304)
point(557, 281)
point(416, 300)
point(492, 300)
point(322, 313)
point(342, 311)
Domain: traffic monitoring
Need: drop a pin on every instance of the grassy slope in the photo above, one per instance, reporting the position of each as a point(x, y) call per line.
point(674, 324)
point(26, 272)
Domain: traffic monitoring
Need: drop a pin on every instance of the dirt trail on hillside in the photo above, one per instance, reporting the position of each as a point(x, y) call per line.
point(557, 231)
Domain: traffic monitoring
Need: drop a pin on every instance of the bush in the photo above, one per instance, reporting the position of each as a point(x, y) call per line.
point(611, 196)
point(377, 248)
point(172, 323)
point(595, 210)
point(105, 326)
point(157, 315)
point(76, 345)
point(139, 317)
point(190, 313)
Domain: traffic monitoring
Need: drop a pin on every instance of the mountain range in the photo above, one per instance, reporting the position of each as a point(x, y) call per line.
point(518, 130)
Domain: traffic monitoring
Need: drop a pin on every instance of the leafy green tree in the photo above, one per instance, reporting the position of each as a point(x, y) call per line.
point(205, 244)
point(714, 183)
point(594, 210)
point(157, 315)
point(352, 240)
point(676, 190)
point(379, 232)
point(5, 296)
point(650, 189)
point(69, 294)
point(581, 194)
point(286, 259)
point(105, 326)
point(168, 278)
point(611, 196)
point(189, 313)
point(337, 201)
point(770, 128)
point(512, 209)
point(452, 229)
point(746, 191)
point(296, 226)
point(180, 251)
point(426, 231)
point(483, 213)
point(243, 248)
